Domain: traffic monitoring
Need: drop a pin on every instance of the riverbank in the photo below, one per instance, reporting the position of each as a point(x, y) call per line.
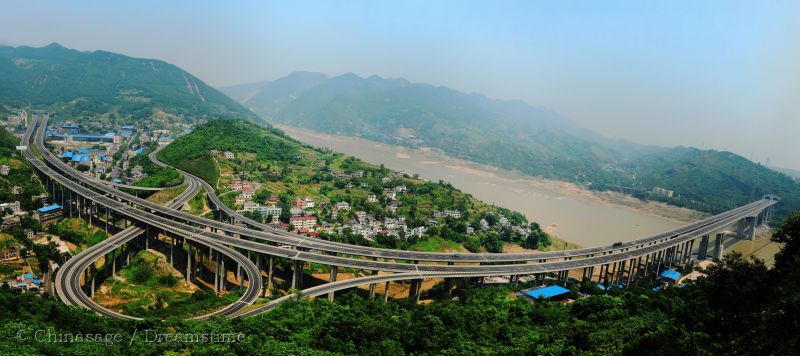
point(566, 210)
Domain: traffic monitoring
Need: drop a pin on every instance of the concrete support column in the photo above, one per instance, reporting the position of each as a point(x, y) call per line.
point(689, 248)
point(659, 259)
point(94, 278)
point(171, 246)
point(334, 271)
point(223, 273)
point(216, 274)
point(719, 247)
point(620, 273)
point(297, 274)
point(702, 251)
point(740, 227)
point(372, 287)
point(630, 271)
point(751, 228)
point(189, 263)
point(269, 273)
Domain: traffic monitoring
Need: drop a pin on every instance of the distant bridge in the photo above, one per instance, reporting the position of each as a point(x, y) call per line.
point(256, 247)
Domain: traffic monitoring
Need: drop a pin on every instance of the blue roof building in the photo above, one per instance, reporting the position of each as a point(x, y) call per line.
point(67, 154)
point(84, 151)
point(28, 276)
point(140, 150)
point(117, 180)
point(547, 292)
point(70, 127)
point(671, 275)
point(49, 208)
point(80, 158)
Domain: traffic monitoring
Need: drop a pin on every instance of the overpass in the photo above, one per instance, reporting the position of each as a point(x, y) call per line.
point(615, 263)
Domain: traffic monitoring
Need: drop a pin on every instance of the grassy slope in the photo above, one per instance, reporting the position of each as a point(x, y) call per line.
point(144, 288)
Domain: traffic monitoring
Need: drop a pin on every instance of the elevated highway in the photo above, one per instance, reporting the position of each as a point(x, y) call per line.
point(286, 238)
point(68, 278)
point(666, 248)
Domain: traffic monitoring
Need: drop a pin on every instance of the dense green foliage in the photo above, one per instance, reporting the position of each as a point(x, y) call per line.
point(192, 152)
point(512, 135)
point(151, 289)
point(85, 84)
point(713, 181)
point(159, 177)
point(77, 231)
point(741, 307)
point(21, 175)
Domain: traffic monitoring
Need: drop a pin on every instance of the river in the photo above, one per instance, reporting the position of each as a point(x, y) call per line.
point(578, 221)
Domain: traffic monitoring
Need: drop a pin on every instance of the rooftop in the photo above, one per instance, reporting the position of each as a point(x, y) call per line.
point(49, 208)
point(671, 274)
point(547, 292)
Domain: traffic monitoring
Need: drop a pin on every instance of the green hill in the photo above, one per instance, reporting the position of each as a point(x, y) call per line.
point(86, 84)
point(19, 175)
point(714, 180)
point(512, 135)
point(288, 170)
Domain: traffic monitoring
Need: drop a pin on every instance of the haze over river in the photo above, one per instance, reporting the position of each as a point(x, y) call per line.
point(579, 221)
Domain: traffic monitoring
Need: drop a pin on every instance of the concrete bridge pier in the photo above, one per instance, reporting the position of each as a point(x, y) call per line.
point(269, 275)
point(334, 271)
point(702, 250)
point(113, 264)
point(189, 263)
point(216, 272)
point(223, 272)
point(171, 240)
point(585, 273)
point(372, 286)
point(687, 254)
point(94, 278)
point(719, 247)
point(619, 273)
point(415, 289)
point(751, 228)
point(297, 274)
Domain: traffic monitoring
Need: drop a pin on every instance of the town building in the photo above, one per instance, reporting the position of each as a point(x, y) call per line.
point(13, 206)
point(5, 169)
point(10, 252)
point(9, 222)
point(303, 222)
point(48, 214)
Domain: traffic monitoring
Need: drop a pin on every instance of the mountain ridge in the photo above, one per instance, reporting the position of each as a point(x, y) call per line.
point(103, 82)
point(514, 135)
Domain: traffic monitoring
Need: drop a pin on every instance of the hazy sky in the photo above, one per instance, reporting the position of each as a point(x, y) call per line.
point(712, 74)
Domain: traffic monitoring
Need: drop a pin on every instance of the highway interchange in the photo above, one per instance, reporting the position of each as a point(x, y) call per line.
point(274, 242)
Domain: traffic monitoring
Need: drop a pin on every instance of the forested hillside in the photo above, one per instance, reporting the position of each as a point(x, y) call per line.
point(713, 180)
point(512, 135)
point(89, 84)
point(741, 307)
point(20, 175)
